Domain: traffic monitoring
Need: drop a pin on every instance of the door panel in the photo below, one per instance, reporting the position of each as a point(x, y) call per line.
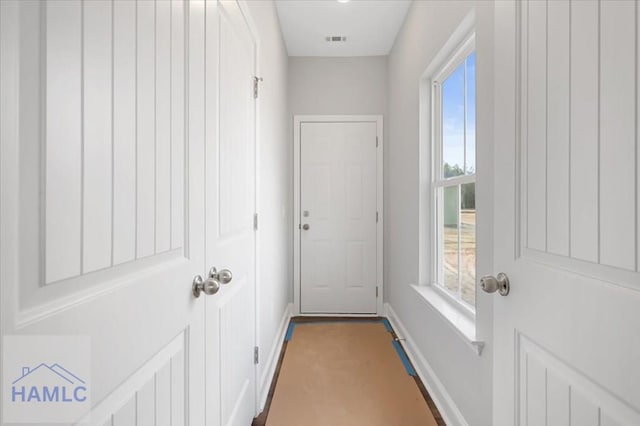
point(230, 195)
point(566, 225)
point(97, 174)
point(584, 136)
point(124, 131)
point(553, 392)
point(618, 116)
point(63, 133)
point(90, 198)
point(338, 193)
point(145, 136)
point(155, 391)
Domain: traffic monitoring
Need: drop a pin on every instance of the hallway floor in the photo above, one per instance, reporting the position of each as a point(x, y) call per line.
point(346, 372)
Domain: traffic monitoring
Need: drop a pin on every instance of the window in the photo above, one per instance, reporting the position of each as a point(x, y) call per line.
point(454, 147)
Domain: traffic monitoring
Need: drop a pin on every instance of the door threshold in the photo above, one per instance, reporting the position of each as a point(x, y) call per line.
point(343, 315)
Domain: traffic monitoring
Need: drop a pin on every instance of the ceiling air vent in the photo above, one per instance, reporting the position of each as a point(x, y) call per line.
point(333, 39)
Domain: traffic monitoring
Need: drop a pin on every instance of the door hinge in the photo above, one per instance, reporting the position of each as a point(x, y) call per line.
point(256, 80)
point(256, 355)
point(376, 291)
point(376, 141)
point(255, 221)
point(376, 217)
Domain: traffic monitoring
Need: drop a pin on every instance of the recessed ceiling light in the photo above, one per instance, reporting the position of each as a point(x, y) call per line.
point(343, 1)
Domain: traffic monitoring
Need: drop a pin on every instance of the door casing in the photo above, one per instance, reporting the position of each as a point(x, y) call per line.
point(297, 122)
point(234, 13)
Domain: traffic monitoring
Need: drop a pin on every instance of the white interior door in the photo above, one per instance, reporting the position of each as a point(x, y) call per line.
point(102, 211)
point(566, 225)
point(230, 199)
point(338, 217)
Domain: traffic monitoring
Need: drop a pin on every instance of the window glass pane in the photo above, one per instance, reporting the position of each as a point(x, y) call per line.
point(450, 235)
point(453, 123)
point(468, 242)
point(456, 210)
point(470, 151)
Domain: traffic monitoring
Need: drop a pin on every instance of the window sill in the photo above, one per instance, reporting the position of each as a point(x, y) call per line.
point(464, 326)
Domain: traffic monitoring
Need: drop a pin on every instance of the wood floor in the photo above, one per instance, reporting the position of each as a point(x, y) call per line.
point(345, 372)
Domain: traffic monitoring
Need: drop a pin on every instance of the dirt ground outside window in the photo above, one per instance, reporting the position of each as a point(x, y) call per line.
point(467, 256)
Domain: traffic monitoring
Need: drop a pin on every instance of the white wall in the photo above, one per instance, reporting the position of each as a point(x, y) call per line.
point(428, 25)
point(274, 184)
point(354, 85)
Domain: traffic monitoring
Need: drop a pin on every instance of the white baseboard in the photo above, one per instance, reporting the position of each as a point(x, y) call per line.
point(272, 361)
point(448, 409)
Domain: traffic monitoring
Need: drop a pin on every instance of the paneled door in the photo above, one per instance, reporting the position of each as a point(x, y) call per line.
point(339, 217)
point(102, 200)
point(566, 225)
point(230, 200)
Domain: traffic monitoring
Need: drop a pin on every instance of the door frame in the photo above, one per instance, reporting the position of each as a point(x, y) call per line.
point(249, 21)
point(297, 122)
point(253, 29)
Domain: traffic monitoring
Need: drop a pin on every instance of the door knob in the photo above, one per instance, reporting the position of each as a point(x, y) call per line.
point(209, 286)
point(491, 284)
point(224, 276)
point(305, 226)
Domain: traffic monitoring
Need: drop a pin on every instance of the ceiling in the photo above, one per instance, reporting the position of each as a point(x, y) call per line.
point(369, 25)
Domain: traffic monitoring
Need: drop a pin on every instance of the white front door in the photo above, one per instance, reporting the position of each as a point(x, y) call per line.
point(230, 200)
point(567, 345)
point(338, 217)
point(102, 214)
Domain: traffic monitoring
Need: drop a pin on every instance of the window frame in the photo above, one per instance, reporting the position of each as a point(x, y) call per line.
point(439, 182)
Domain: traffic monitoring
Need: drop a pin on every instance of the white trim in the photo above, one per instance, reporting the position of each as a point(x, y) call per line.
point(455, 42)
point(452, 54)
point(451, 298)
point(296, 215)
point(453, 313)
point(297, 121)
point(447, 407)
point(426, 195)
point(253, 28)
point(245, 11)
point(266, 378)
point(455, 57)
point(380, 209)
